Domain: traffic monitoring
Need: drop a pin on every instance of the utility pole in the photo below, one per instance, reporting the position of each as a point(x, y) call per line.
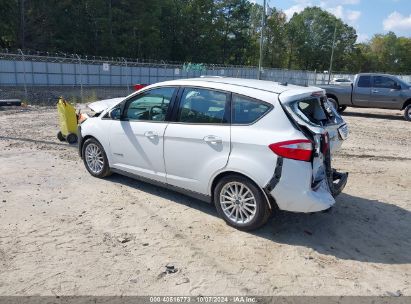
point(24, 73)
point(260, 62)
point(332, 53)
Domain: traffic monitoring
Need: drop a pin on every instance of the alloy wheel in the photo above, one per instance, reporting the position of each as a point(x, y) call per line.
point(238, 203)
point(94, 158)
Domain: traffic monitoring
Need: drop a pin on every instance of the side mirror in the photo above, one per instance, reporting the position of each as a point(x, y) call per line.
point(115, 114)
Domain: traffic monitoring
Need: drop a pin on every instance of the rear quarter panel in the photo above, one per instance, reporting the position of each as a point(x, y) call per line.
point(343, 93)
point(250, 154)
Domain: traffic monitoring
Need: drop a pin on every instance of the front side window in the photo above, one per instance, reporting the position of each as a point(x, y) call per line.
point(384, 82)
point(203, 106)
point(151, 105)
point(364, 82)
point(247, 110)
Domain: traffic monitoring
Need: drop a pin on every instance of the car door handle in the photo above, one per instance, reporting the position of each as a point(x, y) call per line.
point(375, 91)
point(150, 134)
point(213, 139)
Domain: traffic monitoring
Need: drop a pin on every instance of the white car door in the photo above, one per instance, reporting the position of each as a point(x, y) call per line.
point(197, 144)
point(136, 141)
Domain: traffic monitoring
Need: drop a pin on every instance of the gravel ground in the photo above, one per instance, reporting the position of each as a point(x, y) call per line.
point(63, 232)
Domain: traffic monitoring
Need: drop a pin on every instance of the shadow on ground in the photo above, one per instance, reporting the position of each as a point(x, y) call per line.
point(394, 116)
point(173, 196)
point(355, 229)
point(38, 141)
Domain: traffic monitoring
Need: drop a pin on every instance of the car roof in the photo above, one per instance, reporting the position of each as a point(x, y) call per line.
point(264, 90)
point(232, 83)
point(376, 74)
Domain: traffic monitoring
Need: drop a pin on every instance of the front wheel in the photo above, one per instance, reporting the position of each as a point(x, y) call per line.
point(95, 158)
point(241, 203)
point(407, 113)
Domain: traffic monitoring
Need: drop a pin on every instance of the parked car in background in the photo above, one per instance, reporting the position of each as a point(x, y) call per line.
point(370, 90)
point(341, 81)
point(139, 86)
point(248, 146)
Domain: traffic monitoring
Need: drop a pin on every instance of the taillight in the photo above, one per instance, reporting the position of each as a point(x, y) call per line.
point(299, 149)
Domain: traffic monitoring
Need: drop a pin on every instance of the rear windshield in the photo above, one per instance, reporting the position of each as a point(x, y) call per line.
point(313, 109)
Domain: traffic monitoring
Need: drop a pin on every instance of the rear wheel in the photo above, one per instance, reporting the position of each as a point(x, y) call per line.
point(241, 203)
point(341, 109)
point(336, 105)
point(407, 112)
point(95, 158)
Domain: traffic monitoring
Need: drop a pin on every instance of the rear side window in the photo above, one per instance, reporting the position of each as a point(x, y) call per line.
point(247, 110)
point(384, 82)
point(203, 106)
point(364, 82)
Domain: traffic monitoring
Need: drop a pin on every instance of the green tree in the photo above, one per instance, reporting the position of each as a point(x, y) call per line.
point(362, 59)
point(233, 19)
point(199, 31)
point(9, 17)
point(275, 45)
point(207, 31)
point(310, 35)
point(390, 53)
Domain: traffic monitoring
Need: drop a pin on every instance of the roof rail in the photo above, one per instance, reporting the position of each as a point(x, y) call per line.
point(206, 76)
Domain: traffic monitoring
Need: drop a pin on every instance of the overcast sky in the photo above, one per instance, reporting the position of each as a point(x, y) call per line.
point(368, 17)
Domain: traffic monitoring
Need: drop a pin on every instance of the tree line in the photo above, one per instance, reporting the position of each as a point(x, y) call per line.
point(206, 31)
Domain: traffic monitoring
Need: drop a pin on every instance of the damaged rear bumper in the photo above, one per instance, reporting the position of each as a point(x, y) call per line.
point(294, 191)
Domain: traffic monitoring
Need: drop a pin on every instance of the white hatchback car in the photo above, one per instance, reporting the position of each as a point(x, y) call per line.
point(248, 146)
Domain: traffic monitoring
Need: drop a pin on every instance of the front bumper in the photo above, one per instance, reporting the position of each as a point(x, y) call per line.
point(294, 192)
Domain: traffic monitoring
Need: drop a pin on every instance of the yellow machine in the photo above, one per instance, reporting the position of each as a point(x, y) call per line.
point(68, 121)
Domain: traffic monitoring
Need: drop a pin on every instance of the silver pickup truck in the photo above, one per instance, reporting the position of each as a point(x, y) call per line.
point(372, 91)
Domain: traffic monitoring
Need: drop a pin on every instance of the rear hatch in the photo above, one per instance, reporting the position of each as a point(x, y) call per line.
point(311, 113)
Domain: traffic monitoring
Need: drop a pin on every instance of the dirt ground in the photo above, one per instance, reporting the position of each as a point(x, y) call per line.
point(63, 232)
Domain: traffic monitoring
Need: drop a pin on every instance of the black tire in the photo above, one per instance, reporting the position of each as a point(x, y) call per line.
point(333, 102)
point(71, 138)
point(262, 210)
point(60, 136)
point(341, 109)
point(407, 113)
point(336, 105)
point(105, 170)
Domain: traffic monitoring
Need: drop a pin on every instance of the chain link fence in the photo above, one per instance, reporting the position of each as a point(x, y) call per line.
point(40, 78)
